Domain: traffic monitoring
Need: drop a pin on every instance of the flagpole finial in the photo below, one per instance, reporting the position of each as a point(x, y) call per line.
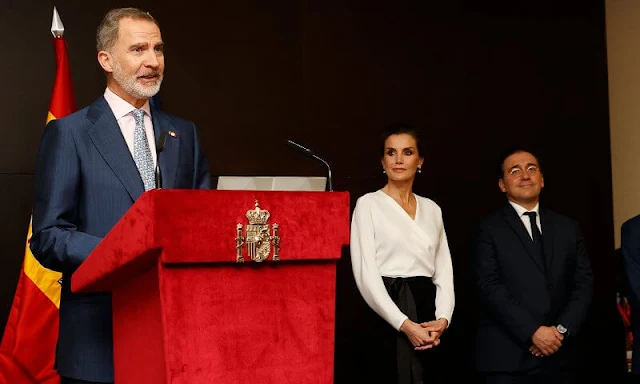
point(57, 29)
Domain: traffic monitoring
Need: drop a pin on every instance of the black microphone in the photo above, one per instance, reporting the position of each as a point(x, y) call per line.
point(162, 139)
point(310, 153)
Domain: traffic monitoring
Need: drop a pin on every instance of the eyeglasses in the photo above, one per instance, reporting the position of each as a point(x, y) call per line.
point(517, 172)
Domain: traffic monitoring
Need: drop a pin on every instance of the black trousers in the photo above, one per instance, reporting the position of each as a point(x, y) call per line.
point(387, 354)
point(66, 380)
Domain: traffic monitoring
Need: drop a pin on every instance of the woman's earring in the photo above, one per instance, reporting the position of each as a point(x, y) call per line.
point(419, 169)
point(383, 171)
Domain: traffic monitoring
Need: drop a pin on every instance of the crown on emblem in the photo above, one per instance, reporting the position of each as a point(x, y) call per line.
point(257, 216)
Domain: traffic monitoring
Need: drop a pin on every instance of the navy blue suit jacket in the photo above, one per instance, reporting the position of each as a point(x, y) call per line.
point(518, 293)
point(85, 181)
point(630, 247)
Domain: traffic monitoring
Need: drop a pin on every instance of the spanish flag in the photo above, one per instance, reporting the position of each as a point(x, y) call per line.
point(27, 351)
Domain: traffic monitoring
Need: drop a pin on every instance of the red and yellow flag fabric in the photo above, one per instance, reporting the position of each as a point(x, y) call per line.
point(27, 351)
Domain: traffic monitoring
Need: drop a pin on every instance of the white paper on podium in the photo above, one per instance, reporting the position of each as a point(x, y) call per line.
point(272, 183)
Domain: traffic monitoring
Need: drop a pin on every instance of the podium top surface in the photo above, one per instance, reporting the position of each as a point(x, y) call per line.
point(175, 227)
point(272, 183)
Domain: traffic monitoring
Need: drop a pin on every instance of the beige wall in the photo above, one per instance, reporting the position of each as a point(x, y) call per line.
point(623, 51)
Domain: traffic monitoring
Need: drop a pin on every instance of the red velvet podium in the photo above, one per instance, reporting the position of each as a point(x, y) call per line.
point(186, 312)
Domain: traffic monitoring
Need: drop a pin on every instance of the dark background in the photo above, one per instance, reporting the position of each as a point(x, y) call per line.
point(473, 76)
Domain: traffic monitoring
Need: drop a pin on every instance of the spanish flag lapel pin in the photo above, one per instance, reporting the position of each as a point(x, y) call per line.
point(173, 134)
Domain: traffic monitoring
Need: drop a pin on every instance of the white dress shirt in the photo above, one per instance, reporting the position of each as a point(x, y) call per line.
point(520, 210)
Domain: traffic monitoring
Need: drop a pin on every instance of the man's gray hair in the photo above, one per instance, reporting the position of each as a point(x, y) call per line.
point(108, 29)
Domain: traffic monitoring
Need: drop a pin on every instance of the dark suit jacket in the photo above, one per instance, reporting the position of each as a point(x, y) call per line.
point(516, 297)
point(630, 247)
point(85, 181)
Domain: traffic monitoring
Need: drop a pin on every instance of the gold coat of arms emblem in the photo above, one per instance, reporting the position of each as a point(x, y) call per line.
point(257, 236)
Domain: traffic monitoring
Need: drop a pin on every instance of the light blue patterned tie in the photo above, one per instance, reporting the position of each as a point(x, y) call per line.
point(141, 152)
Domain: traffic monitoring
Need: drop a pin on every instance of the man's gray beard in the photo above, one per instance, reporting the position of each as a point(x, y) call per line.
point(131, 85)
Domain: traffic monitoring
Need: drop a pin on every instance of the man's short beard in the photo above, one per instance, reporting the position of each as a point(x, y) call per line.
point(130, 83)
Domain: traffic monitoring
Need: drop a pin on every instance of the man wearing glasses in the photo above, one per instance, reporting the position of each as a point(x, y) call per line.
point(533, 279)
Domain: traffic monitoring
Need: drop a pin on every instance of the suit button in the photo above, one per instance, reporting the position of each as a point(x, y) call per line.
point(549, 286)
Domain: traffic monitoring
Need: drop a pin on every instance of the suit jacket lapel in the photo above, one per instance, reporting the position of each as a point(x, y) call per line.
point(516, 224)
point(168, 159)
point(547, 237)
point(107, 137)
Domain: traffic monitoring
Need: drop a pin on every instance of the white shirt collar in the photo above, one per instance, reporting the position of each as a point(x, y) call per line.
point(520, 210)
point(120, 107)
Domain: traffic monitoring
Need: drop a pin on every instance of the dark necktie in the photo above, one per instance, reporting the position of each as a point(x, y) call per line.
point(535, 234)
point(535, 231)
